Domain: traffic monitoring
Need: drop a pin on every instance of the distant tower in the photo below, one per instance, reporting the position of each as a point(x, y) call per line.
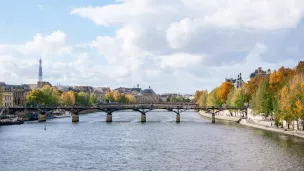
point(40, 71)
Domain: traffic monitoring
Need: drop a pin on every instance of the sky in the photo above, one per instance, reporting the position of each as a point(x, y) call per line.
point(174, 46)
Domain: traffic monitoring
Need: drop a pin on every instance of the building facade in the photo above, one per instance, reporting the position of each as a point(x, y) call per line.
point(14, 95)
point(259, 71)
point(237, 83)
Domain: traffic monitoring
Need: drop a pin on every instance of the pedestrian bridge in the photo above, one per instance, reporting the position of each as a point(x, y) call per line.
point(143, 109)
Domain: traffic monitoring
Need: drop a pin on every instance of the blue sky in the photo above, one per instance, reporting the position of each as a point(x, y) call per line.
point(21, 20)
point(173, 46)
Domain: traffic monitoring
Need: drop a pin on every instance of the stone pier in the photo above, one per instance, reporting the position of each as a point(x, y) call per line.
point(109, 117)
point(75, 117)
point(213, 118)
point(42, 117)
point(177, 118)
point(143, 117)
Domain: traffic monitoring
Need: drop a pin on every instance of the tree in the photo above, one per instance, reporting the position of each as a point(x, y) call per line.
point(262, 100)
point(109, 95)
point(93, 98)
point(230, 96)
point(115, 95)
point(179, 99)
point(197, 96)
point(83, 99)
point(223, 91)
point(35, 98)
point(240, 97)
point(253, 85)
point(68, 98)
point(279, 78)
point(285, 112)
point(213, 100)
point(203, 98)
point(131, 99)
point(51, 97)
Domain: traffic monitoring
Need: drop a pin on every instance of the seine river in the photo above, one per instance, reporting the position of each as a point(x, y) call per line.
point(158, 144)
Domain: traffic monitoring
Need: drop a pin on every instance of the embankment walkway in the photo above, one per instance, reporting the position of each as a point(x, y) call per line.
point(253, 124)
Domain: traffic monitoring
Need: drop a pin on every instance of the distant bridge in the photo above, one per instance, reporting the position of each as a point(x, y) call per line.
point(177, 108)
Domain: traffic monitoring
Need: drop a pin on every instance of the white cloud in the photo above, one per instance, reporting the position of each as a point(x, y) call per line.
point(259, 14)
point(185, 43)
point(180, 60)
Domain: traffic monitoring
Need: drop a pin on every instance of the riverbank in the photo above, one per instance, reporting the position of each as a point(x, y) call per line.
point(222, 117)
point(14, 121)
point(251, 123)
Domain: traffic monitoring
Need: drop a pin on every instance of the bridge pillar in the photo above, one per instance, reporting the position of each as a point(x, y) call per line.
point(213, 118)
point(42, 117)
point(109, 117)
point(143, 117)
point(75, 117)
point(177, 117)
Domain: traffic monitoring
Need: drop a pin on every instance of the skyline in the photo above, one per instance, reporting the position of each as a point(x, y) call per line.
point(109, 44)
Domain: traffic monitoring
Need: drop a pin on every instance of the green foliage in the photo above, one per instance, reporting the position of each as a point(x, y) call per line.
point(263, 99)
point(93, 98)
point(178, 99)
point(230, 97)
point(82, 99)
point(213, 99)
point(203, 98)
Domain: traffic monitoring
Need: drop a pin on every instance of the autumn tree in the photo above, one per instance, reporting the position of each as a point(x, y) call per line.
point(285, 112)
point(115, 95)
point(131, 99)
point(223, 91)
point(213, 99)
point(197, 95)
point(68, 98)
point(109, 96)
point(253, 85)
point(203, 98)
point(35, 98)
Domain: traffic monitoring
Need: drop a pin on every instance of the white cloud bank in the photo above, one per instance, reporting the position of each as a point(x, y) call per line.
point(172, 45)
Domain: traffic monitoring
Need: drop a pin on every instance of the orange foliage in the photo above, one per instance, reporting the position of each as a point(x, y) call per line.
point(253, 84)
point(279, 78)
point(223, 91)
point(300, 67)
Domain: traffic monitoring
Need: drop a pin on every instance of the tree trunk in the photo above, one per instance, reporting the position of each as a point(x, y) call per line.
point(298, 124)
point(287, 125)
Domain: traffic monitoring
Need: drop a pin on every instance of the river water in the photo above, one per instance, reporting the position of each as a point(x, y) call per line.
point(158, 144)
